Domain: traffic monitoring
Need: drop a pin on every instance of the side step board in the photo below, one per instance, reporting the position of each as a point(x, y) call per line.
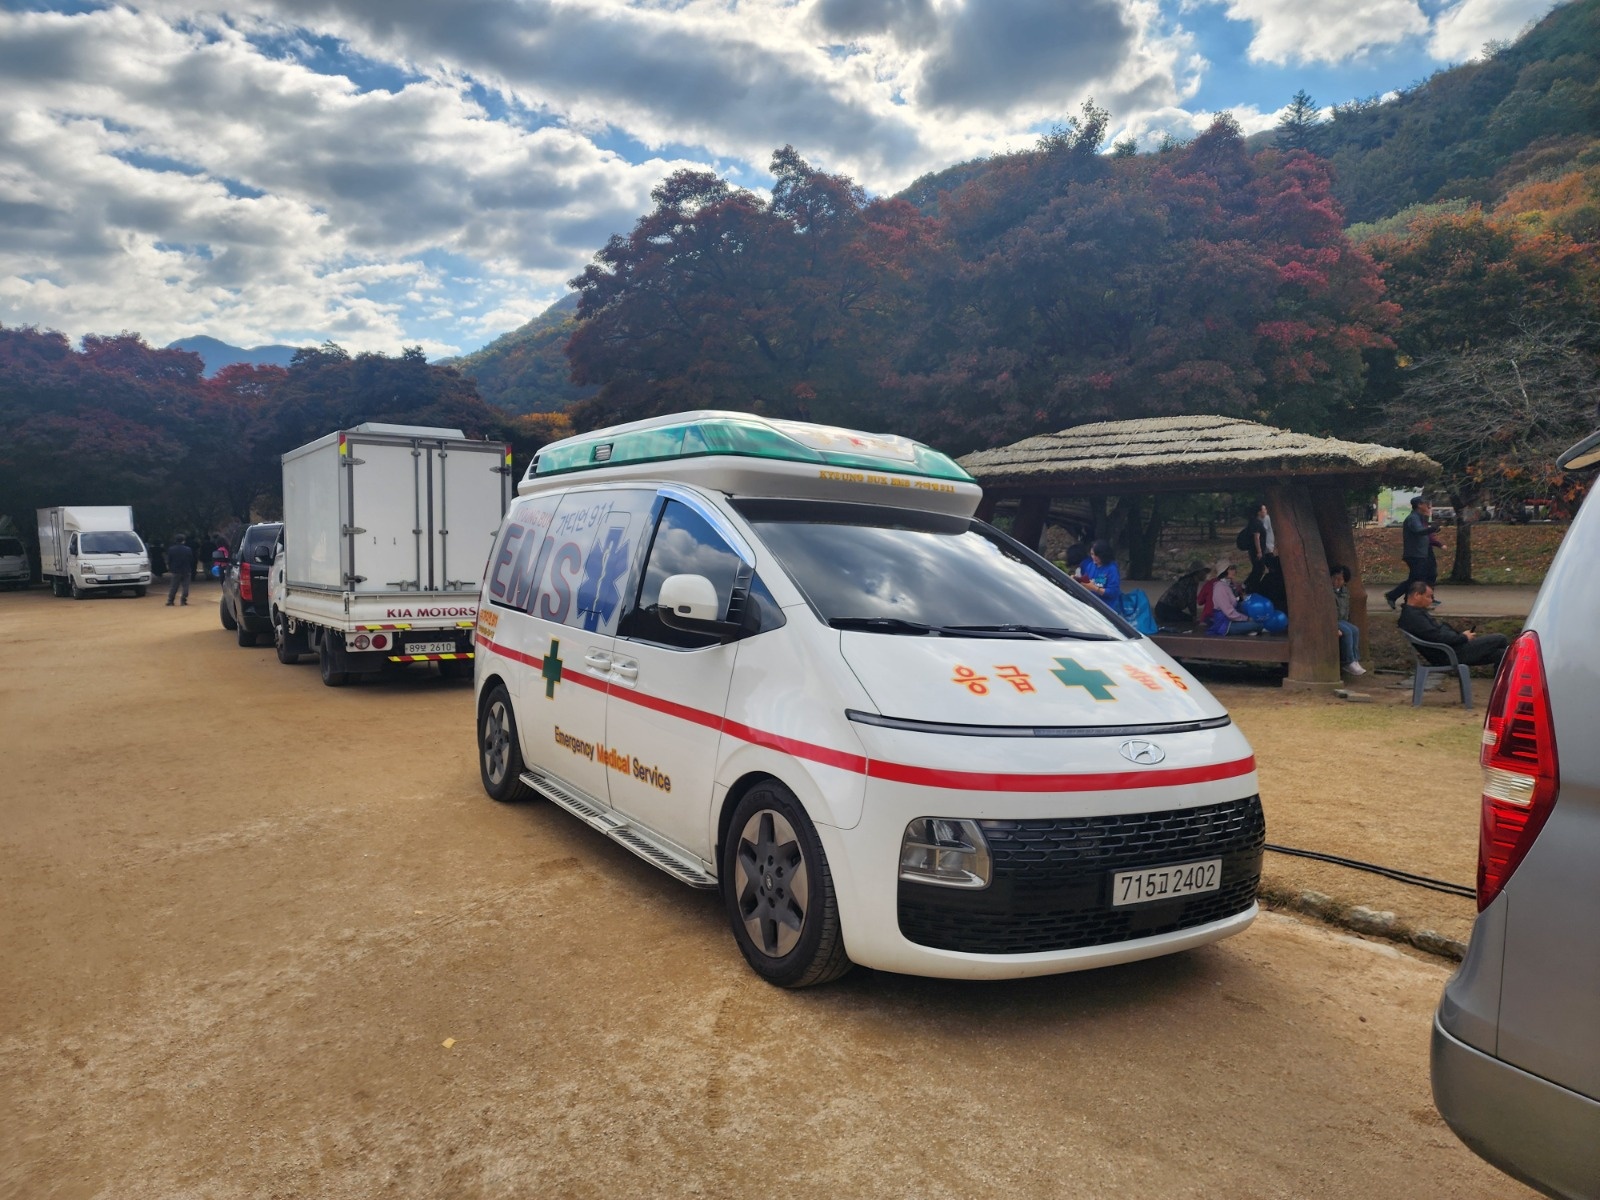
point(682, 867)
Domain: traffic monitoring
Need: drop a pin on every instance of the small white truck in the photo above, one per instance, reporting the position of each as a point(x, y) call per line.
point(386, 532)
point(91, 548)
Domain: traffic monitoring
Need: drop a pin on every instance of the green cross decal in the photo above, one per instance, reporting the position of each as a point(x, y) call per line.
point(1097, 683)
point(550, 668)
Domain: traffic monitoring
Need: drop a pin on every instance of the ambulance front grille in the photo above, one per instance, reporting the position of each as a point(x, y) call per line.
point(1051, 887)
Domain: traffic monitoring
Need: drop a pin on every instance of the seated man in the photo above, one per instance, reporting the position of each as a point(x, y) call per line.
point(1472, 648)
point(1179, 604)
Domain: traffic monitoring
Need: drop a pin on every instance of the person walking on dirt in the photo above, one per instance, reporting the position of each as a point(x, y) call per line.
point(180, 561)
point(1416, 548)
point(1473, 649)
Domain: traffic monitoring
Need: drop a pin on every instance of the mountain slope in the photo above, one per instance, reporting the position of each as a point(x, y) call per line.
point(525, 371)
point(1474, 131)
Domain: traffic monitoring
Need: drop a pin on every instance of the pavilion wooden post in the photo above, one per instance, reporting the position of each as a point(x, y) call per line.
point(1338, 539)
point(1313, 622)
point(1029, 527)
point(986, 506)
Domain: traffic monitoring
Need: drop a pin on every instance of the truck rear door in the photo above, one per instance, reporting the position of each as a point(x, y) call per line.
point(388, 517)
point(470, 489)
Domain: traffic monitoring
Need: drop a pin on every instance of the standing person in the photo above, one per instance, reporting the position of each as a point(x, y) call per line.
point(1102, 577)
point(1349, 635)
point(180, 562)
point(1258, 541)
point(1473, 649)
point(1226, 617)
point(1417, 541)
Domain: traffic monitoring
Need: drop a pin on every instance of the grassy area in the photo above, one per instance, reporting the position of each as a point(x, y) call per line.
point(1501, 553)
point(1513, 554)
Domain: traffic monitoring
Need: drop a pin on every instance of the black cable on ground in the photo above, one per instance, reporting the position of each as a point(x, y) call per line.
point(1422, 881)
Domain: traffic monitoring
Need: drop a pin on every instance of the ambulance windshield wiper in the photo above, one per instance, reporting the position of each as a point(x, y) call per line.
point(1045, 632)
point(918, 629)
point(883, 625)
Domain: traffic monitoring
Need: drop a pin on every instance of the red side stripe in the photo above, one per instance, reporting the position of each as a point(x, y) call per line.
point(902, 772)
point(1108, 781)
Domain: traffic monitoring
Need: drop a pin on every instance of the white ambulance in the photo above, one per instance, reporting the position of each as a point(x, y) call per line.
point(784, 661)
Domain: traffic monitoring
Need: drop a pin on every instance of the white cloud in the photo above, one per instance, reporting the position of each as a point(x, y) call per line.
point(1460, 31)
point(1331, 31)
point(1150, 128)
point(178, 181)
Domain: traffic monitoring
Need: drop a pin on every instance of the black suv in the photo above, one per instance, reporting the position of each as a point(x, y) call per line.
point(244, 586)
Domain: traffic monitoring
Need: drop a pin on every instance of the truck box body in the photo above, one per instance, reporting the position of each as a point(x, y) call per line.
point(74, 565)
point(389, 527)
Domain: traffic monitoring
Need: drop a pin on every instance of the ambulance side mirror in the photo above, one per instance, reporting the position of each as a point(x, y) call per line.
point(689, 602)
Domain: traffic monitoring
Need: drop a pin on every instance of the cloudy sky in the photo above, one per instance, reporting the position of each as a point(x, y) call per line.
point(398, 172)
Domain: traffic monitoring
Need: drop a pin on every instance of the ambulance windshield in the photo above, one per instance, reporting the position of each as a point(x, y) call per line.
point(893, 571)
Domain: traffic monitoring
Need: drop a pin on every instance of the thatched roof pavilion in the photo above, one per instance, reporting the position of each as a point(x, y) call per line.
point(1303, 478)
point(1186, 454)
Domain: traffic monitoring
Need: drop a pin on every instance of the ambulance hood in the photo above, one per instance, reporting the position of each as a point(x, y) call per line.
point(1024, 682)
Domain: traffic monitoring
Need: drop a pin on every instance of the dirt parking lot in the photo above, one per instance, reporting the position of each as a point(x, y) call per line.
point(263, 938)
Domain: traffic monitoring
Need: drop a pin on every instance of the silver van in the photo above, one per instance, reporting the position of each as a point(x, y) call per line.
point(1516, 1039)
point(15, 570)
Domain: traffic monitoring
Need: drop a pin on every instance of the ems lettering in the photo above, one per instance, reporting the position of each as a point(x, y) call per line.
point(556, 596)
point(508, 547)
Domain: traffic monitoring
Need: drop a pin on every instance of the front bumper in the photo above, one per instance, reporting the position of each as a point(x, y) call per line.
point(116, 581)
point(1051, 887)
point(1048, 907)
point(1537, 1131)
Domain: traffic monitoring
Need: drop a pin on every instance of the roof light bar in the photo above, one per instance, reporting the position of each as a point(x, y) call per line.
point(699, 434)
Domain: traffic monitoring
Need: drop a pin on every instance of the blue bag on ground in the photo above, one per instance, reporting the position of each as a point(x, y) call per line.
point(1136, 608)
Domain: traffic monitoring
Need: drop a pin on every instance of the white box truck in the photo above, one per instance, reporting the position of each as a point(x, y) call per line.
point(386, 532)
point(91, 548)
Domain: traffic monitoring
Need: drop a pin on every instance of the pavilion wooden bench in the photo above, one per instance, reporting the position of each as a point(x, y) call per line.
point(1266, 647)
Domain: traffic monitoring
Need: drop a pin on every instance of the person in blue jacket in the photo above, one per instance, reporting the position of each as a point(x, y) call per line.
point(1102, 577)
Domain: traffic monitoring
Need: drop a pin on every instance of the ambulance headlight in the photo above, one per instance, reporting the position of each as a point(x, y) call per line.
point(946, 852)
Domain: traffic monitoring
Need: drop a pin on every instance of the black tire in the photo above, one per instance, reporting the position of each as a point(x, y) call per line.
point(246, 638)
point(73, 590)
point(330, 660)
point(499, 752)
point(141, 592)
point(779, 892)
point(226, 614)
point(455, 668)
point(58, 588)
point(290, 646)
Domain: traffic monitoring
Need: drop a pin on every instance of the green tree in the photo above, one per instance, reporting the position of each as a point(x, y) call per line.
point(1299, 126)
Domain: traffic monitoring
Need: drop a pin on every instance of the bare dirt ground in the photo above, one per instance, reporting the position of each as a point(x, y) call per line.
point(266, 939)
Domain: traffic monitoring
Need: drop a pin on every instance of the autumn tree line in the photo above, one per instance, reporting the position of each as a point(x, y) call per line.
point(1067, 283)
point(118, 421)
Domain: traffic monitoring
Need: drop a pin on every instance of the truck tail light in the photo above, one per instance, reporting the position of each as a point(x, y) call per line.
point(247, 589)
point(1520, 779)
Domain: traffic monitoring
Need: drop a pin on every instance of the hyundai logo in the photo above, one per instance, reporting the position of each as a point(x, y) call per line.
point(1146, 754)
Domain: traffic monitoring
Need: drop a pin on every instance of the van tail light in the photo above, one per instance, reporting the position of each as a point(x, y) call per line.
point(1520, 779)
point(247, 590)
